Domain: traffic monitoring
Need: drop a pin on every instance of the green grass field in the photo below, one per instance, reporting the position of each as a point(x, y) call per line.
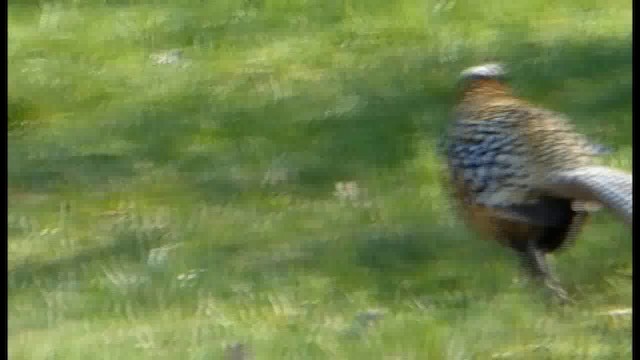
point(189, 179)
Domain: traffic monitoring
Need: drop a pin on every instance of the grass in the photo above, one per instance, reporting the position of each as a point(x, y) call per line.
point(164, 209)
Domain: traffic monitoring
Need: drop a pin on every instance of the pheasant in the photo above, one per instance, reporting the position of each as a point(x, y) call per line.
point(522, 175)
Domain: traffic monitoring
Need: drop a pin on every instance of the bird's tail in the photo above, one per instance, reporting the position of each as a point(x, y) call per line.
point(609, 187)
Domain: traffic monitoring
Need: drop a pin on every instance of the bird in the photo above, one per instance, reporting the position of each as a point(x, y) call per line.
point(523, 175)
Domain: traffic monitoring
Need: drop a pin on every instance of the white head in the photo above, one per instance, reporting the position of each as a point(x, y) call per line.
point(485, 71)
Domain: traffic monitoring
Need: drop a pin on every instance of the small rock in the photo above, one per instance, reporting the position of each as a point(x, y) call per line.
point(169, 57)
point(369, 317)
point(237, 351)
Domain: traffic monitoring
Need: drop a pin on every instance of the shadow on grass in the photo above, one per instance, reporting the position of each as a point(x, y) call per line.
point(379, 132)
point(84, 172)
point(130, 243)
point(408, 262)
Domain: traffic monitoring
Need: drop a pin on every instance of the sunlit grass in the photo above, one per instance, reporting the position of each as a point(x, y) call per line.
point(188, 179)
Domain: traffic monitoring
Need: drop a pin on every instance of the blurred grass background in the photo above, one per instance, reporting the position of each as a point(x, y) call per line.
point(186, 178)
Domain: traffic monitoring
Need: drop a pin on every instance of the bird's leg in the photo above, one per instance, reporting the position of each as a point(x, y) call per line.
point(534, 262)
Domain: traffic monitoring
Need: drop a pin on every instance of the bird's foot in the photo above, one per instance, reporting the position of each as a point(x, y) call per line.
point(558, 292)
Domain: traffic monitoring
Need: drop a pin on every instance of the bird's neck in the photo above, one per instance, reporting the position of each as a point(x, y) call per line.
point(483, 89)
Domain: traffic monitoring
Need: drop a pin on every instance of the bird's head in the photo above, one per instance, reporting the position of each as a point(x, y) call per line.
point(488, 71)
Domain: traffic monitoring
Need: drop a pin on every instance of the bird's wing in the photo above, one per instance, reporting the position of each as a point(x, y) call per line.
point(489, 160)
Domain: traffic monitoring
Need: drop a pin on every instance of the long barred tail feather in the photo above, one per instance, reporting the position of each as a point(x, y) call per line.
point(609, 187)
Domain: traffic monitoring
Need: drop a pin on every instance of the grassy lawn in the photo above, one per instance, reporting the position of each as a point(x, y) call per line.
point(191, 179)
